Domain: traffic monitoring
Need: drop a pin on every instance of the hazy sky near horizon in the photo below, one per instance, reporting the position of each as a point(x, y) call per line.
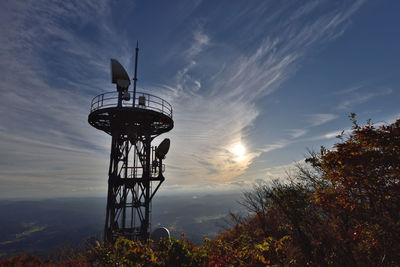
point(276, 77)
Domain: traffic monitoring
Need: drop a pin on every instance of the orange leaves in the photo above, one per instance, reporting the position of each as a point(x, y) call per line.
point(346, 213)
point(363, 197)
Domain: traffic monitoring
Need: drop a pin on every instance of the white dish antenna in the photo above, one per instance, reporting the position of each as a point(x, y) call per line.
point(160, 233)
point(163, 148)
point(119, 76)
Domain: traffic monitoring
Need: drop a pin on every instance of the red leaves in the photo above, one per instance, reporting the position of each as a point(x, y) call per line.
point(346, 215)
point(364, 197)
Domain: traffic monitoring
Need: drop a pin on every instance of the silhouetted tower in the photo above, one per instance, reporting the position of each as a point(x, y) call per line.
point(133, 122)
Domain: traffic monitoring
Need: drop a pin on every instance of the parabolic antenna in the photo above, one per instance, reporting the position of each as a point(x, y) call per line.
point(119, 75)
point(163, 148)
point(160, 233)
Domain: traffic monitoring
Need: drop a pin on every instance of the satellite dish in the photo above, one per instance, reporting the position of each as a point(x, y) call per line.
point(163, 148)
point(119, 76)
point(160, 233)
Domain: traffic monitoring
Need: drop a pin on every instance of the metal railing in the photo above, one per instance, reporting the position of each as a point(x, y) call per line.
point(142, 100)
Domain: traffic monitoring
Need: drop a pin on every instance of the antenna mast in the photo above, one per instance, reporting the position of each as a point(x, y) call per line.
point(135, 77)
point(136, 168)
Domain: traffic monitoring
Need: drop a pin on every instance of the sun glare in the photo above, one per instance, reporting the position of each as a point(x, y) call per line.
point(238, 150)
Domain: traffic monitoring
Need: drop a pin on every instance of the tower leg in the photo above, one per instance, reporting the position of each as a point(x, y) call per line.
point(145, 233)
point(111, 224)
point(129, 187)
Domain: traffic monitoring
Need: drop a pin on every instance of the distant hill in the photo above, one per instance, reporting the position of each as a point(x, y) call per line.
point(42, 226)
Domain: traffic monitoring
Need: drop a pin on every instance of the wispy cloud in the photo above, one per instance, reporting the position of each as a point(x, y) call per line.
point(201, 40)
point(218, 117)
point(44, 136)
point(334, 134)
point(347, 131)
point(358, 98)
point(388, 120)
point(321, 118)
point(348, 90)
point(282, 143)
point(282, 171)
point(296, 133)
point(276, 145)
point(52, 68)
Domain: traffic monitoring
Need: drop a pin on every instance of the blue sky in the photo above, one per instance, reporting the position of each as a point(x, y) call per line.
point(276, 77)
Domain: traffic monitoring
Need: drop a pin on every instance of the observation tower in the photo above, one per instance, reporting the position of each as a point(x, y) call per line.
point(133, 119)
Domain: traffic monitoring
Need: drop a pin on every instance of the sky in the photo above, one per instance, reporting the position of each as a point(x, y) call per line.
point(254, 85)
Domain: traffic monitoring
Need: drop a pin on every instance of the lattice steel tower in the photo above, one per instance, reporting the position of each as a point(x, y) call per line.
point(133, 122)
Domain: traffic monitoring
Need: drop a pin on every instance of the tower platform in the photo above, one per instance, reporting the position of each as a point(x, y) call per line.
point(150, 114)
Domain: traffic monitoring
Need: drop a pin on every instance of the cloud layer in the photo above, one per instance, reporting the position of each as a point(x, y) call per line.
point(54, 59)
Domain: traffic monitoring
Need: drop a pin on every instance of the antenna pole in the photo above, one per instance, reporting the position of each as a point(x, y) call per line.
point(135, 78)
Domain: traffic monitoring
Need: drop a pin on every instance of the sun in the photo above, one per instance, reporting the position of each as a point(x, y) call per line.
point(238, 150)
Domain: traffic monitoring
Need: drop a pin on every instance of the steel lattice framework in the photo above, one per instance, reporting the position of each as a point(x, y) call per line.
point(135, 173)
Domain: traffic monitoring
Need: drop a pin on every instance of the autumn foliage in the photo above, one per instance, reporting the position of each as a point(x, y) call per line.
point(343, 209)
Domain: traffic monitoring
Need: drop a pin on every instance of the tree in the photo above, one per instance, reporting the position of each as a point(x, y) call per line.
point(363, 196)
point(344, 209)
